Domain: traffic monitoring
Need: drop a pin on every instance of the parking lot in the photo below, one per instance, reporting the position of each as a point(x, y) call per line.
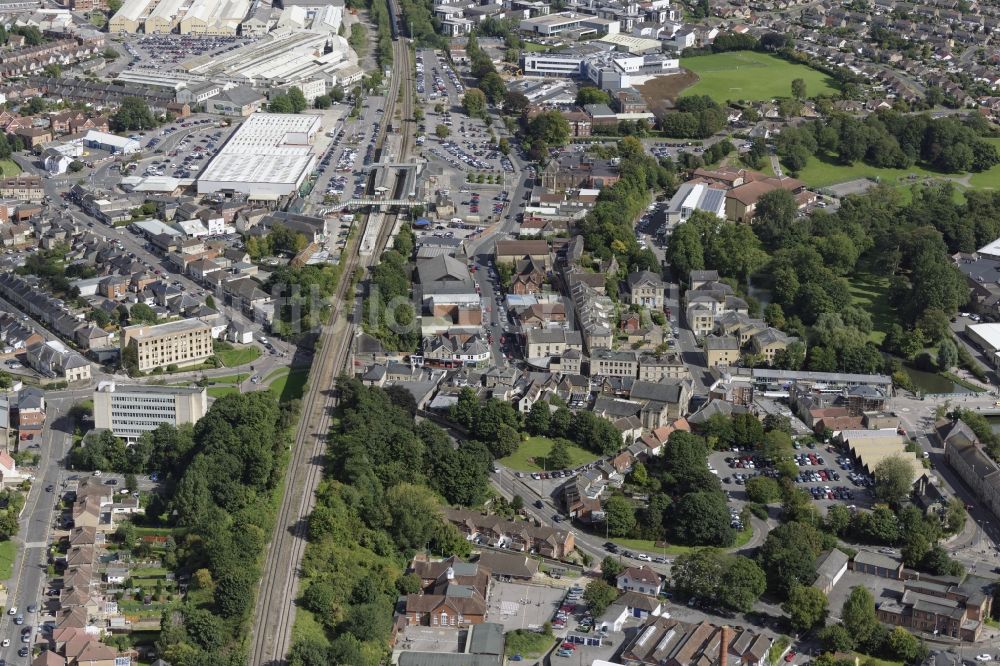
point(828, 475)
point(437, 80)
point(200, 141)
point(166, 51)
point(520, 606)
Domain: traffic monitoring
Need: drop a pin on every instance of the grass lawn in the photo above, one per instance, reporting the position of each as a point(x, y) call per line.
point(7, 551)
point(220, 391)
point(530, 455)
point(149, 572)
point(528, 643)
point(749, 75)
point(874, 661)
point(10, 168)
point(536, 48)
point(158, 531)
point(240, 356)
point(822, 171)
point(871, 293)
point(649, 546)
point(289, 385)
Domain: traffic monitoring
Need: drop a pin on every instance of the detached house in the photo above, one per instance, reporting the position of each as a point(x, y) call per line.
point(640, 579)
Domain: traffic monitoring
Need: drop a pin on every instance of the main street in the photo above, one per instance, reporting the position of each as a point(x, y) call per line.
point(36, 521)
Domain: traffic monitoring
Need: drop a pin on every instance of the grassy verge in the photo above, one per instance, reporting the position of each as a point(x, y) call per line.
point(307, 627)
point(530, 455)
point(964, 383)
point(229, 379)
point(649, 546)
point(235, 357)
point(10, 168)
point(221, 391)
point(8, 549)
point(290, 386)
point(871, 292)
point(528, 643)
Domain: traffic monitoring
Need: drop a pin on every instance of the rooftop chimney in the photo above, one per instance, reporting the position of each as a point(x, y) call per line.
point(724, 645)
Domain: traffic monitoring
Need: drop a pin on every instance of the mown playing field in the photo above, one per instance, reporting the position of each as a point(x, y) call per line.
point(748, 75)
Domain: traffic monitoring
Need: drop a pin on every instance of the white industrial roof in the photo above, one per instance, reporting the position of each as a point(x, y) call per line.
point(133, 9)
point(991, 249)
point(631, 43)
point(990, 333)
point(267, 148)
point(156, 227)
point(111, 139)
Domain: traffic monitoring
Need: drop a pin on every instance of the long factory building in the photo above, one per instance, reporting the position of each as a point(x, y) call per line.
point(194, 17)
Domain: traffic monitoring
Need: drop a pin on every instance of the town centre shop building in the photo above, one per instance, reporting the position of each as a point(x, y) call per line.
point(267, 158)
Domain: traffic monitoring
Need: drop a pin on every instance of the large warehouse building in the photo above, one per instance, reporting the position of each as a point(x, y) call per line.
point(267, 158)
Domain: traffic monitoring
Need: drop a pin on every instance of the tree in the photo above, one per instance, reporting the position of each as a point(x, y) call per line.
point(798, 89)
point(858, 615)
point(558, 457)
point(442, 131)
point(836, 638)
point(280, 103)
point(698, 573)
point(806, 607)
point(620, 516)
point(599, 595)
point(893, 479)
point(905, 647)
point(947, 356)
point(763, 490)
point(702, 519)
point(322, 102)
point(591, 95)
point(474, 102)
point(742, 584)
point(142, 314)
point(538, 419)
point(133, 114)
point(788, 556)
point(297, 100)
point(774, 221)
point(610, 568)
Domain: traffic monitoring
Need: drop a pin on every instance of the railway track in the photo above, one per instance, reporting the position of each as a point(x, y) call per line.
point(274, 616)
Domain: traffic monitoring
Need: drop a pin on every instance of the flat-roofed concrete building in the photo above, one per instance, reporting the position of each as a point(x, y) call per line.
point(181, 343)
point(267, 158)
point(130, 410)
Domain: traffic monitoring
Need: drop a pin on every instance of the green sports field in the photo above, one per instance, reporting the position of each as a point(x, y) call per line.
point(748, 75)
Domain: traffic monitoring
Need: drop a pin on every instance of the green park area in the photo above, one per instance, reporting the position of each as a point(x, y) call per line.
point(530, 455)
point(871, 293)
point(825, 170)
point(748, 75)
point(8, 549)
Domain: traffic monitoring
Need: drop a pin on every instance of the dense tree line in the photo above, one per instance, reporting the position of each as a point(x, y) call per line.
point(483, 71)
point(696, 117)
point(304, 294)
point(418, 21)
point(377, 505)
point(609, 228)
point(220, 477)
point(498, 424)
point(893, 140)
point(389, 315)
